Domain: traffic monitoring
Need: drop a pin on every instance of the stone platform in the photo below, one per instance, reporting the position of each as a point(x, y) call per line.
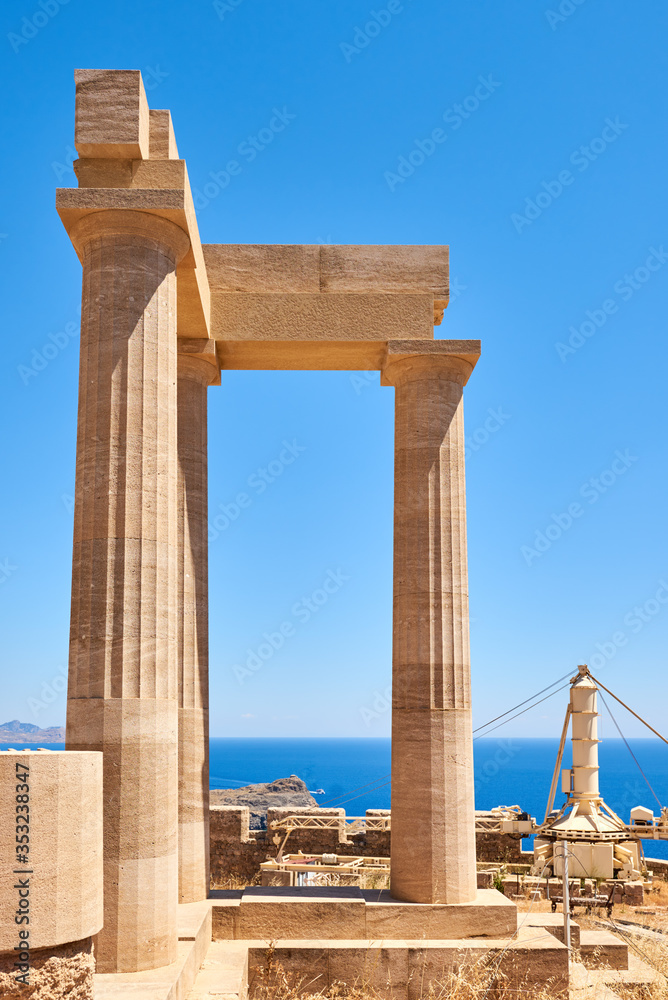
point(396, 970)
point(350, 913)
point(232, 944)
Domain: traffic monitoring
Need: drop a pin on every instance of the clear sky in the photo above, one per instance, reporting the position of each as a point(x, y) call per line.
point(546, 176)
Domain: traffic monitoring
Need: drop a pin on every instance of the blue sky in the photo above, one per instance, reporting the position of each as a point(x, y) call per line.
point(546, 175)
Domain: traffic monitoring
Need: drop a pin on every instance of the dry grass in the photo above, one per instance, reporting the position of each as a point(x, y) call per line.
point(475, 979)
point(235, 881)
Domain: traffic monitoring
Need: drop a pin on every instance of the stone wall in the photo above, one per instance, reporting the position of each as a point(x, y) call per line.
point(501, 847)
point(658, 866)
point(237, 851)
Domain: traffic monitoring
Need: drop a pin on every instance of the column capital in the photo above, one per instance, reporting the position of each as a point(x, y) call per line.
point(448, 360)
point(140, 225)
point(197, 359)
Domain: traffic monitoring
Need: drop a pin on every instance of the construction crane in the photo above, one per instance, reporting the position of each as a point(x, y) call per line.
point(599, 843)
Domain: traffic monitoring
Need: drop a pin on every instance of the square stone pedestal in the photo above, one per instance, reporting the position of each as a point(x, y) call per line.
point(328, 913)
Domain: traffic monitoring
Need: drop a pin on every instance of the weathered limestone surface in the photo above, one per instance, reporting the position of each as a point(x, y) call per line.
point(63, 971)
point(61, 820)
point(123, 685)
point(304, 268)
point(112, 117)
point(337, 317)
point(320, 913)
point(433, 815)
point(195, 374)
point(161, 138)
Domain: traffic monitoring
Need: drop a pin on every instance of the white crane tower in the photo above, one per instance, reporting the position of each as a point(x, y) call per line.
point(599, 843)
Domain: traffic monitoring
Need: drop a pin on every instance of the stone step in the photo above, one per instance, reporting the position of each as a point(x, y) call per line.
point(224, 973)
point(640, 979)
point(601, 949)
point(171, 982)
point(552, 922)
point(404, 970)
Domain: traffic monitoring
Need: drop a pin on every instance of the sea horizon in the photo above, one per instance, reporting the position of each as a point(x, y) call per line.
point(354, 771)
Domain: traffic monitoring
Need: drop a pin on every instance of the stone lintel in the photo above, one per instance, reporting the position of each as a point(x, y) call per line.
point(171, 203)
point(430, 353)
point(342, 316)
point(111, 116)
point(301, 355)
point(336, 355)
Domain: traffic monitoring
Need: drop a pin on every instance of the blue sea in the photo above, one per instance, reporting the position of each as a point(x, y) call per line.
point(355, 773)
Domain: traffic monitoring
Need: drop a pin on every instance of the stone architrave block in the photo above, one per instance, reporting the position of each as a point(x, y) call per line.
point(111, 116)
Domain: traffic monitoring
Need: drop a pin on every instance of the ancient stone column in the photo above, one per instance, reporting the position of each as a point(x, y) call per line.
point(194, 375)
point(433, 816)
point(122, 691)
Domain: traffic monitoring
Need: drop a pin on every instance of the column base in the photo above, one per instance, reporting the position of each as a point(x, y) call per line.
point(350, 913)
point(138, 738)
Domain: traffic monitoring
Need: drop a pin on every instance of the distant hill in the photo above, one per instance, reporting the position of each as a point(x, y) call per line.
point(291, 792)
point(26, 732)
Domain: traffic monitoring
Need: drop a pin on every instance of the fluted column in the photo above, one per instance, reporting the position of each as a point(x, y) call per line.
point(122, 691)
point(433, 817)
point(194, 376)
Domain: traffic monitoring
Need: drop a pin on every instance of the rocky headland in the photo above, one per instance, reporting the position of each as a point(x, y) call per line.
point(289, 792)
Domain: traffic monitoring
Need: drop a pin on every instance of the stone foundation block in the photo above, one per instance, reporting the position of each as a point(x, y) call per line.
point(62, 971)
